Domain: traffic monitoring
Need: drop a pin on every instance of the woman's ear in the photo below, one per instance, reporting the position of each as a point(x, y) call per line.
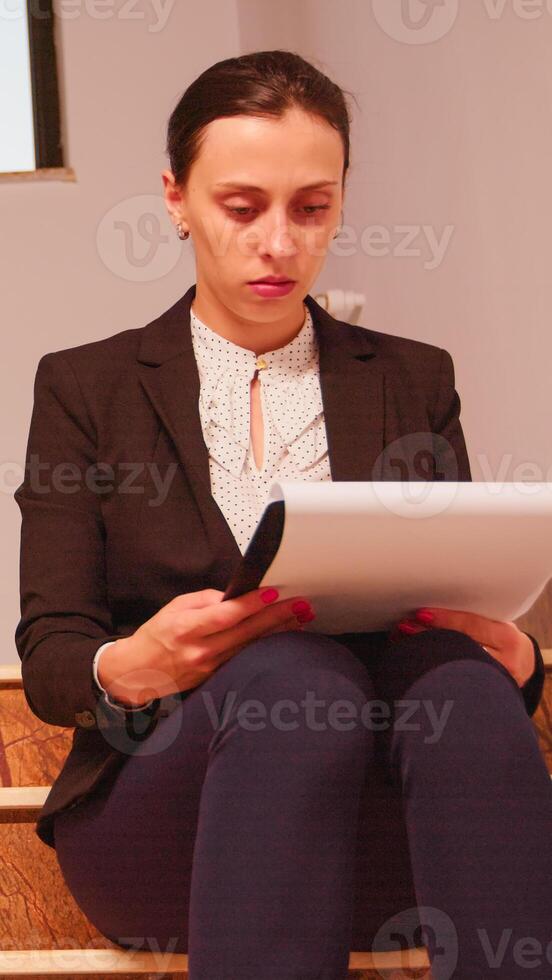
point(173, 197)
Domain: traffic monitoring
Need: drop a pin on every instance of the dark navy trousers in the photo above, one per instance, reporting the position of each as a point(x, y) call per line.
point(320, 794)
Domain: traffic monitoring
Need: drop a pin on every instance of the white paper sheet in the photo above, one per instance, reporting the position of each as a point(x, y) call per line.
point(368, 554)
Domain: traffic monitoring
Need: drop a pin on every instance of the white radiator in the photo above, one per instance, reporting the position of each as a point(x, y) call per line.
point(343, 304)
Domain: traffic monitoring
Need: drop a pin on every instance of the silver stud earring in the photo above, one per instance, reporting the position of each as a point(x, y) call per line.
point(183, 235)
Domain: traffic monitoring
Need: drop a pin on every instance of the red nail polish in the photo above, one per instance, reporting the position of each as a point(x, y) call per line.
point(301, 606)
point(425, 616)
point(269, 595)
point(407, 628)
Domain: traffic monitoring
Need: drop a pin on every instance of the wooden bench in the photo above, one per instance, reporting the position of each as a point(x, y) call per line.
point(42, 930)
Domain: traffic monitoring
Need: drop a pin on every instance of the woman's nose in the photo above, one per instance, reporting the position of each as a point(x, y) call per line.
point(279, 240)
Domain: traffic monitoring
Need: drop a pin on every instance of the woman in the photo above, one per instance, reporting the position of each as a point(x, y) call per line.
point(180, 822)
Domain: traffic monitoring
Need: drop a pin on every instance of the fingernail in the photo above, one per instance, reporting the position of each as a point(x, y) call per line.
point(269, 595)
point(301, 606)
point(305, 617)
point(425, 616)
point(407, 628)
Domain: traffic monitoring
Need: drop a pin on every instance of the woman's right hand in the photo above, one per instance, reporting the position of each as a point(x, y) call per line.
point(187, 639)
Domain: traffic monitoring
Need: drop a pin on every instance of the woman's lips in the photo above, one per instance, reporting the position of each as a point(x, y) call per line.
point(271, 289)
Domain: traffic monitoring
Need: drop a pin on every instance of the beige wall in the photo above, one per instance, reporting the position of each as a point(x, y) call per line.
point(452, 152)
point(64, 279)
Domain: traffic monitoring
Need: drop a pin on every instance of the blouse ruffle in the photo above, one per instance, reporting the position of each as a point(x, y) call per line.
point(290, 390)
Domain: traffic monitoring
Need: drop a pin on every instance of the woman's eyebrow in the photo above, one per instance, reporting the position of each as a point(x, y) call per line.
point(250, 187)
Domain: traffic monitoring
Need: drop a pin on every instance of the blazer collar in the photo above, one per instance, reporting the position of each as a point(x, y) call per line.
point(170, 334)
point(351, 382)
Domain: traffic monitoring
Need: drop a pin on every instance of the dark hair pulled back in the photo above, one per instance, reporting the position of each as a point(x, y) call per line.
point(262, 83)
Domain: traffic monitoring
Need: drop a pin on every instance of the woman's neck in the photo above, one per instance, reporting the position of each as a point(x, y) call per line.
point(254, 335)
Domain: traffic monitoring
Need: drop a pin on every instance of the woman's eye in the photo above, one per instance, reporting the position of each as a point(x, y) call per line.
point(309, 208)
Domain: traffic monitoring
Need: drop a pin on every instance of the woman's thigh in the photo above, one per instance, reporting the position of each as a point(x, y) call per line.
point(126, 852)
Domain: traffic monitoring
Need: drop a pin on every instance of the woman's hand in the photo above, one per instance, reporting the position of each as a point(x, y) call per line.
point(188, 638)
point(504, 641)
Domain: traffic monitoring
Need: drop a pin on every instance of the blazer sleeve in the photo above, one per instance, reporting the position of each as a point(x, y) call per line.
point(533, 688)
point(65, 614)
point(452, 463)
point(451, 455)
point(112, 701)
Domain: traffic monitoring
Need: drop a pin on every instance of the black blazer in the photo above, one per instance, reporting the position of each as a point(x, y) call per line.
point(103, 548)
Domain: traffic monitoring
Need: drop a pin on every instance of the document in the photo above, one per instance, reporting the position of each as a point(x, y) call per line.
point(367, 554)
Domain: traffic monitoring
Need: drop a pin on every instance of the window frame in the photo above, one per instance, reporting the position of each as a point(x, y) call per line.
point(49, 151)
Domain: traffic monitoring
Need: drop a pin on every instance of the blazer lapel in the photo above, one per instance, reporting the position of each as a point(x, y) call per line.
point(352, 386)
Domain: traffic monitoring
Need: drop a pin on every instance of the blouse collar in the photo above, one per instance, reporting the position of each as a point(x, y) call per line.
point(290, 386)
point(215, 353)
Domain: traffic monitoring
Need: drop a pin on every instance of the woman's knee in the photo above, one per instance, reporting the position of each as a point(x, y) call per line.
point(416, 658)
point(294, 658)
point(307, 687)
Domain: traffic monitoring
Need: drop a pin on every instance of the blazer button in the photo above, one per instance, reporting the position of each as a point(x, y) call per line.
point(86, 719)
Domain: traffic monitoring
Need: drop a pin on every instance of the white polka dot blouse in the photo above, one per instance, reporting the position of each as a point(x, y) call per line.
point(295, 446)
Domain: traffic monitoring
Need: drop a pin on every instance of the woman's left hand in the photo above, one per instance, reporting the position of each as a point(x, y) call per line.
point(504, 641)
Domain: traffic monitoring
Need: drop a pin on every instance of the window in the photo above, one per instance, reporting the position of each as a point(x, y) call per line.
point(30, 137)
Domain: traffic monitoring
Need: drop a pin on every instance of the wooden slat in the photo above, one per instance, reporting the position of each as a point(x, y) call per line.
point(110, 962)
point(11, 673)
point(23, 797)
point(21, 804)
point(402, 959)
